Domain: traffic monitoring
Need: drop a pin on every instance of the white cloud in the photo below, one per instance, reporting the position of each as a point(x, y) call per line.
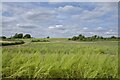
point(111, 33)
point(99, 28)
point(18, 25)
point(29, 26)
point(85, 28)
point(66, 8)
point(51, 27)
point(69, 9)
point(95, 15)
point(57, 27)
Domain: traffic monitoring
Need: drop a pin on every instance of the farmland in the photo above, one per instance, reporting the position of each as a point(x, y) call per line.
point(60, 58)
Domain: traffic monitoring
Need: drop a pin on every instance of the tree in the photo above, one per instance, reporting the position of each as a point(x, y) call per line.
point(69, 38)
point(98, 37)
point(94, 37)
point(15, 36)
point(74, 38)
point(80, 35)
point(27, 36)
point(113, 37)
point(18, 35)
point(3, 37)
point(48, 37)
point(101, 37)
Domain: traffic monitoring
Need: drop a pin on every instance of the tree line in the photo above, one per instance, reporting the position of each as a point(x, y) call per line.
point(20, 35)
point(92, 38)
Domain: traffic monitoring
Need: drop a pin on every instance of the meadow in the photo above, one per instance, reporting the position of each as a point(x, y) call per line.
point(60, 58)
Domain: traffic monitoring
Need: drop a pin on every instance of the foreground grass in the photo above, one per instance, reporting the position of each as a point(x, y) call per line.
point(60, 60)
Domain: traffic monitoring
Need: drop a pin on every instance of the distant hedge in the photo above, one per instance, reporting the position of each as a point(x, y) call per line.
point(12, 43)
point(92, 38)
point(40, 40)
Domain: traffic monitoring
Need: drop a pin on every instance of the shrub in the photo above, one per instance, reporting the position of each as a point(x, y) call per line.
point(12, 43)
point(37, 40)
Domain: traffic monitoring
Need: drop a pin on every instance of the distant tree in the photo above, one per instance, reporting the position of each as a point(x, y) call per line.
point(81, 37)
point(113, 37)
point(27, 36)
point(18, 35)
point(101, 37)
point(3, 37)
point(48, 37)
point(94, 37)
point(15, 36)
point(11, 37)
point(74, 38)
point(98, 37)
point(69, 38)
point(118, 37)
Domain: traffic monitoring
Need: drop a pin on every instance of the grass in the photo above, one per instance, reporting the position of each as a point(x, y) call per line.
point(61, 60)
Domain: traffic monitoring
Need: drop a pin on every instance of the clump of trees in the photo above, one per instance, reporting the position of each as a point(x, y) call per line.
point(21, 35)
point(92, 38)
point(18, 35)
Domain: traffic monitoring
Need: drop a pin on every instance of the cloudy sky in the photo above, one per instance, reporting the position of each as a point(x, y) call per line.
point(60, 19)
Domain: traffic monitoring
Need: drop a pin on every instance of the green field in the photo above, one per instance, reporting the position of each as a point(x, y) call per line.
point(60, 58)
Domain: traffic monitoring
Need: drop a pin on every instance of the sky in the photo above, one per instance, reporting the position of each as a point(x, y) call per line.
point(60, 19)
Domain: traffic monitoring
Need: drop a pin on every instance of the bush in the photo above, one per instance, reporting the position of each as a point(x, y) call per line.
point(69, 38)
point(40, 40)
point(12, 43)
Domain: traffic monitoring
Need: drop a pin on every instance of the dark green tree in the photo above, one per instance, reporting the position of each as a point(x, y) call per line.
point(101, 37)
point(15, 36)
point(48, 37)
point(74, 38)
point(113, 37)
point(81, 37)
point(94, 37)
point(27, 36)
point(20, 35)
point(69, 38)
point(3, 37)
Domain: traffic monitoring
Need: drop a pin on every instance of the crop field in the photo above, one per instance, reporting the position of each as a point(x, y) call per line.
point(60, 58)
